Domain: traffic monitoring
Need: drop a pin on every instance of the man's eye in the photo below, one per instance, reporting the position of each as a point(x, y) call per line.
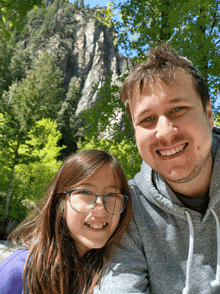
point(178, 109)
point(148, 119)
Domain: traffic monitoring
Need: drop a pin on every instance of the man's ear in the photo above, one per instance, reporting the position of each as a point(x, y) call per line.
point(210, 114)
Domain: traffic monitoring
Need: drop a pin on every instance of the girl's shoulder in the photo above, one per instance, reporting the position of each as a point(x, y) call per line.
point(11, 270)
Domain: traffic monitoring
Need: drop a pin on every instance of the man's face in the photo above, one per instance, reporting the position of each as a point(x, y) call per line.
point(172, 130)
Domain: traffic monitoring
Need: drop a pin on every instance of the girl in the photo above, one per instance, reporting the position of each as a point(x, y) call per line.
point(86, 211)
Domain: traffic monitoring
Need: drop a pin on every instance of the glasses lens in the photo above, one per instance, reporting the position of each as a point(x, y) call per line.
point(82, 200)
point(115, 203)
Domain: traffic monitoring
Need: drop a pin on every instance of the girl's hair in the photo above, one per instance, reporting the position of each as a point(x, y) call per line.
point(53, 264)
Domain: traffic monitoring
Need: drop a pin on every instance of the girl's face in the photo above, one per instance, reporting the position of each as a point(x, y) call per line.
point(92, 229)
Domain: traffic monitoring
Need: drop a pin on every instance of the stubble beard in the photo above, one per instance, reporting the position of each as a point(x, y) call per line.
point(196, 170)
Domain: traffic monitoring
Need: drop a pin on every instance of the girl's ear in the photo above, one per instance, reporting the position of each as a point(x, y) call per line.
point(63, 212)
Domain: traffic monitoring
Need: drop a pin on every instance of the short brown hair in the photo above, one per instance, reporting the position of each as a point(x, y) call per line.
point(162, 63)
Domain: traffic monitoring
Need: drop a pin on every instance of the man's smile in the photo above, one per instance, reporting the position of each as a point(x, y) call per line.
point(173, 151)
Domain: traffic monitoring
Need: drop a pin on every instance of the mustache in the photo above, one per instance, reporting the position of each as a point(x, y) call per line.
point(164, 143)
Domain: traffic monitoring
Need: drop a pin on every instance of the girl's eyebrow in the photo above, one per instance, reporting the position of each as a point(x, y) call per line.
point(107, 187)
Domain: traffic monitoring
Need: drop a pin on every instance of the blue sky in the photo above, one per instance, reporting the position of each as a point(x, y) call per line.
point(93, 3)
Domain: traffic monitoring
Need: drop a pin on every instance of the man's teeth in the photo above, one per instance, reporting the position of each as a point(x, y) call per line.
point(172, 151)
point(96, 226)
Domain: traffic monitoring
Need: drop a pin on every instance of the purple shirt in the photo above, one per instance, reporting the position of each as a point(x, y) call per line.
point(11, 271)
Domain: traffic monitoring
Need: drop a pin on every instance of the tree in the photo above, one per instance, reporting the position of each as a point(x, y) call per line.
point(35, 97)
point(107, 127)
point(31, 178)
point(193, 28)
point(66, 120)
point(13, 13)
point(125, 151)
point(6, 53)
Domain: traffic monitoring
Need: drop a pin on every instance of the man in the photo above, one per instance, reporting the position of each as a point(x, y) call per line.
point(171, 245)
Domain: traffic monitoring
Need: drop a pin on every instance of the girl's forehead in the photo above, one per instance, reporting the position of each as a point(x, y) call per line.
point(105, 176)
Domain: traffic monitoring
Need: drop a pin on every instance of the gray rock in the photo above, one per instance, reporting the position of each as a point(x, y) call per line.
point(6, 249)
point(82, 47)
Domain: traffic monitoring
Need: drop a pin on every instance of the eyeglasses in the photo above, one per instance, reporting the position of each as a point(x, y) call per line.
point(83, 200)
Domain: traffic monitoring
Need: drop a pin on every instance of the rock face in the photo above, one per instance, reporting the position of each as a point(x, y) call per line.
point(82, 47)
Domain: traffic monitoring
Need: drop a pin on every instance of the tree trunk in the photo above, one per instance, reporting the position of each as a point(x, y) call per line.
point(9, 191)
point(11, 179)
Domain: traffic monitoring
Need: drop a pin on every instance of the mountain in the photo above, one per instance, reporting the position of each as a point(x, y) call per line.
point(83, 49)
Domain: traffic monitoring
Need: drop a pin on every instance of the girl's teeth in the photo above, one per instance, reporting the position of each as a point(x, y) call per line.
point(96, 226)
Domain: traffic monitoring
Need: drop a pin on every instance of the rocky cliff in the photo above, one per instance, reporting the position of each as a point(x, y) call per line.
point(83, 48)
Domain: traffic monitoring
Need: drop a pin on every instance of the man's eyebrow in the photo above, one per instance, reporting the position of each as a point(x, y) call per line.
point(171, 101)
point(178, 99)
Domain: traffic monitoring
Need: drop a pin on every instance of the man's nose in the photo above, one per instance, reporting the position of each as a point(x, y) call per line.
point(165, 128)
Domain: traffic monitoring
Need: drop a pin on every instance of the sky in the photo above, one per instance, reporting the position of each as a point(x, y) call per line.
point(92, 3)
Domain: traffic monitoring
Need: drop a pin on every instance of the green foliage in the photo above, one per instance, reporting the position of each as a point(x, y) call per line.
point(13, 13)
point(107, 127)
point(124, 151)
point(35, 97)
point(104, 118)
point(31, 178)
point(192, 27)
point(6, 53)
point(66, 120)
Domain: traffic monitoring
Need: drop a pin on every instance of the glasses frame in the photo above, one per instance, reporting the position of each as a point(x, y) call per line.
point(126, 197)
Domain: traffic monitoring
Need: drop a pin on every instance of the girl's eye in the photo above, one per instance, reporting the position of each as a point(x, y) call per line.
point(84, 192)
point(111, 194)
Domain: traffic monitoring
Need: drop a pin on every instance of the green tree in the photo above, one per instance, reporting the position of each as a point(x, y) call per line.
point(35, 97)
point(31, 178)
point(107, 127)
point(6, 53)
point(193, 28)
point(13, 13)
point(125, 151)
point(66, 120)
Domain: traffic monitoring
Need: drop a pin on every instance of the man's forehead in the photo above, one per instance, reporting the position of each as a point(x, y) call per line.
point(176, 79)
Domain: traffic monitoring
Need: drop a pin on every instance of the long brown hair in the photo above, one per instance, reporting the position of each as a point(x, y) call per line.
point(53, 264)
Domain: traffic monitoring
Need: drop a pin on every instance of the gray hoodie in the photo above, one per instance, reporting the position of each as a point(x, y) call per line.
point(168, 248)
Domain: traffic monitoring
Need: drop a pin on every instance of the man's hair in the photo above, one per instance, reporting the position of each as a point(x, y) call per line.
point(161, 64)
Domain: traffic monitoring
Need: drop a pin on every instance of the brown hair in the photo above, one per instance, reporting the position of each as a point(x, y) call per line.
point(53, 264)
point(162, 63)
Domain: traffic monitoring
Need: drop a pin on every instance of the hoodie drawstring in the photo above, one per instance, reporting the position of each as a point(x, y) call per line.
point(216, 282)
point(190, 255)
